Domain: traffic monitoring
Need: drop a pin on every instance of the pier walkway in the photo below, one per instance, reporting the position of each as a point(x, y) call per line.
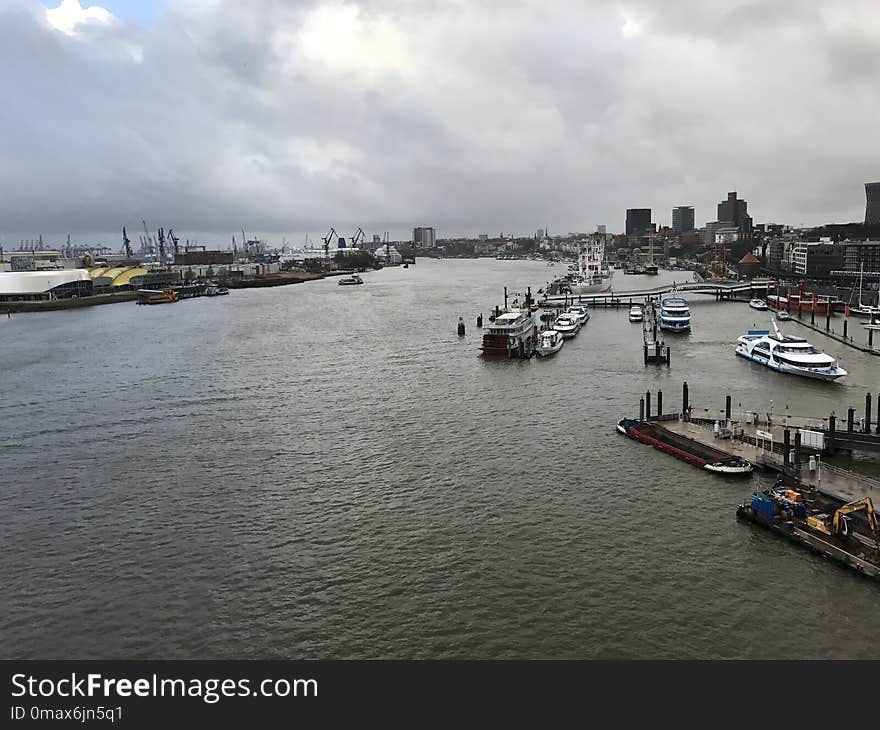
point(720, 289)
point(831, 480)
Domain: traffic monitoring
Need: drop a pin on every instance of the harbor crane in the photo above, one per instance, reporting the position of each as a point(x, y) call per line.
point(327, 239)
point(125, 243)
point(161, 234)
point(358, 237)
point(174, 239)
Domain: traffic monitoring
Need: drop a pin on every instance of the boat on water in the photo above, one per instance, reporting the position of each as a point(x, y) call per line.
point(651, 270)
point(783, 316)
point(675, 315)
point(550, 342)
point(512, 333)
point(350, 280)
point(157, 296)
point(793, 355)
point(819, 523)
point(862, 309)
point(567, 325)
point(758, 304)
point(581, 311)
point(635, 313)
point(682, 447)
point(216, 291)
point(593, 275)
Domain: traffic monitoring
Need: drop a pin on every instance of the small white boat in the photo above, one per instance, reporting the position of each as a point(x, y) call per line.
point(581, 311)
point(550, 342)
point(349, 280)
point(783, 316)
point(635, 313)
point(567, 325)
point(793, 355)
point(758, 304)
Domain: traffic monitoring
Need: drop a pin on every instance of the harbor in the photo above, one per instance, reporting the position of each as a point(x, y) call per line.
point(511, 471)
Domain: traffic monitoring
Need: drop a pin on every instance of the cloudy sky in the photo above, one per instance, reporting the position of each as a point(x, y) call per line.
point(294, 116)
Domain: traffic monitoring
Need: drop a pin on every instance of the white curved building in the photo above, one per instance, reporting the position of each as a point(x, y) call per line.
point(33, 286)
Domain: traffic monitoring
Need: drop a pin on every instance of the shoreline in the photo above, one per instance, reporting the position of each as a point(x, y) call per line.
point(271, 280)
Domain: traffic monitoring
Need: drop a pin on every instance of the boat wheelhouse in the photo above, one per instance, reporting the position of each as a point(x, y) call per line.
point(511, 334)
point(675, 315)
point(793, 355)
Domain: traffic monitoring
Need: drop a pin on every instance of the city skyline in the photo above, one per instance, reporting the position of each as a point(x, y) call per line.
point(207, 116)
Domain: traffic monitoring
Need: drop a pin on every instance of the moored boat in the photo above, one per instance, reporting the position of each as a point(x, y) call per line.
point(793, 355)
point(682, 447)
point(550, 342)
point(157, 296)
point(567, 325)
point(511, 334)
point(759, 304)
point(581, 311)
point(635, 313)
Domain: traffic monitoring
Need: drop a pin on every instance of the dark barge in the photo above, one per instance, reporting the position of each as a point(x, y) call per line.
point(788, 514)
point(682, 447)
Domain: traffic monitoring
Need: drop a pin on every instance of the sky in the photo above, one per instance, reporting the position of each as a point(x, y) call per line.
point(288, 117)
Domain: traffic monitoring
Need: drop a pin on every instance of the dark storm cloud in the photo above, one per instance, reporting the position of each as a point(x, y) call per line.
point(293, 116)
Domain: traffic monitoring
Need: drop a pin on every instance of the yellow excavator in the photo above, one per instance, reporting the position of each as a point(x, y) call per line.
point(840, 525)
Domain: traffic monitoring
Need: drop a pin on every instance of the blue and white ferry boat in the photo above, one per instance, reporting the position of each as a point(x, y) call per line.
point(793, 355)
point(675, 315)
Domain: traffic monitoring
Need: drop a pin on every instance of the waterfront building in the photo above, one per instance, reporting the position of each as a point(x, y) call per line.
point(872, 204)
point(34, 286)
point(424, 237)
point(818, 258)
point(682, 219)
point(775, 250)
point(736, 211)
point(861, 255)
point(638, 221)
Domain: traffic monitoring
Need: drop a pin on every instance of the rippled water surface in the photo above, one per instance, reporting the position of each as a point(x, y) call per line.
point(330, 472)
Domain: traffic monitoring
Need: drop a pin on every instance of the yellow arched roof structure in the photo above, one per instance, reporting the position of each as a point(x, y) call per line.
point(95, 273)
point(124, 279)
point(113, 273)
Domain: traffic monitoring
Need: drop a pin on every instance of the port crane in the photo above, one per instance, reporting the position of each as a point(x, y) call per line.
point(358, 237)
point(174, 239)
point(327, 239)
point(125, 243)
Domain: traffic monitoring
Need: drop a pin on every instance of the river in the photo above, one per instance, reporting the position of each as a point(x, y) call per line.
point(316, 471)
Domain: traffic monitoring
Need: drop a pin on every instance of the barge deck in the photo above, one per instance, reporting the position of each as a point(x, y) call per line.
point(682, 447)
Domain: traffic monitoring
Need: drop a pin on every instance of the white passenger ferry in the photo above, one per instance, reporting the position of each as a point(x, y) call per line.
point(792, 355)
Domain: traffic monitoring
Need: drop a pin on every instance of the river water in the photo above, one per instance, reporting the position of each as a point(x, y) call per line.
point(316, 471)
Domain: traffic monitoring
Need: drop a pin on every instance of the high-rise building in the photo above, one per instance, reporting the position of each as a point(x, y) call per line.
point(736, 212)
point(424, 238)
point(638, 221)
point(682, 219)
point(872, 204)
